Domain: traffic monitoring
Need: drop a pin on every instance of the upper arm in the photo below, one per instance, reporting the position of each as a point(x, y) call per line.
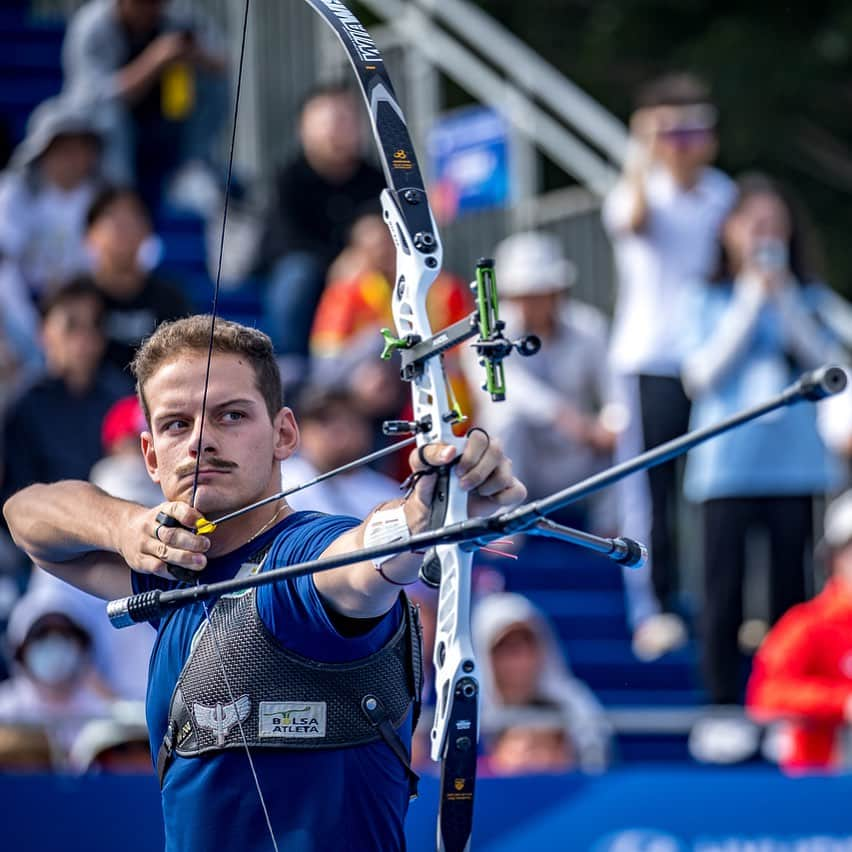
point(104, 575)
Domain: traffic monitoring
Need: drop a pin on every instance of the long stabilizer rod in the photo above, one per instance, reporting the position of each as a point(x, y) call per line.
point(148, 606)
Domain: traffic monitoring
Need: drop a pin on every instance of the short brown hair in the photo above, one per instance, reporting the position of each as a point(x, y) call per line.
point(192, 334)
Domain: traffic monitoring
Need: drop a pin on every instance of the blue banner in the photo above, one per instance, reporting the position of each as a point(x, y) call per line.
point(469, 161)
point(683, 809)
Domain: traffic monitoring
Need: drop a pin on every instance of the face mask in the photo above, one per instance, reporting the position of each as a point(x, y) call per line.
point(54, 659)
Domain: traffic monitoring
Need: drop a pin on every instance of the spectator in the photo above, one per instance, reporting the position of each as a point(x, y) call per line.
point(120, 657)
point(535, 742)
point(749, 332)
point(118, 744)
point(558, 403)
point(156, 80)
point(122, 472)
point(44, 196)
point(521, 667)
point(802, 675)
point(124, 252)
point(53, 682)
point(333, 432)
point(320, 193)
point(345, 339)
point(663, 218)
point(63, 411)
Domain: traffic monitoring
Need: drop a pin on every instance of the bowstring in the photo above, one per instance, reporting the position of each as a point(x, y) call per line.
point(213, 314)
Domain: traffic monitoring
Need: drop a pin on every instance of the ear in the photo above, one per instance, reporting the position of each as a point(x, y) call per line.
point(286, 434)
point(150, 456)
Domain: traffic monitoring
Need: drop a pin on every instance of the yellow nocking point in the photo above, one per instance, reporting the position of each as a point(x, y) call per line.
point(204, 527)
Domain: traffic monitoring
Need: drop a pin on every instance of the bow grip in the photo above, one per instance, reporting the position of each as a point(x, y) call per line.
point(430, 568)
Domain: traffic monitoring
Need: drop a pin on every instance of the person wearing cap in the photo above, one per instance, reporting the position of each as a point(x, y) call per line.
point(116, 744)
point(121, 472)
point(560, 406)
point(663, 217)
point(53, 682)
point(44, 195)
point(802, 674)
point(523, 672)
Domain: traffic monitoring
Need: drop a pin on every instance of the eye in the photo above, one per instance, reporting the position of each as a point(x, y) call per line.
point(233, 416)
point(174, 425)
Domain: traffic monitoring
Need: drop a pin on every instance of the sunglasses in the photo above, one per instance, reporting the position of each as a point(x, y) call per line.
point(687, 135)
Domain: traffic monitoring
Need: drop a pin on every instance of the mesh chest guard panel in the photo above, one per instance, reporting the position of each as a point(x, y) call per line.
point(284, 700)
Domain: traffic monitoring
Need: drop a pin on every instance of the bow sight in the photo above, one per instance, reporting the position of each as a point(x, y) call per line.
point(490, 344)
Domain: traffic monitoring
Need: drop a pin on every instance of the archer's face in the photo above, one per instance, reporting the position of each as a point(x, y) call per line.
point(241, 448)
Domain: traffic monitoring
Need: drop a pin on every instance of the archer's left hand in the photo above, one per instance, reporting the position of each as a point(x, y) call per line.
point(483, 471)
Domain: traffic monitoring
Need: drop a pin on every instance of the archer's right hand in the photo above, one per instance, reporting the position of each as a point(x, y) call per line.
point(148, 546)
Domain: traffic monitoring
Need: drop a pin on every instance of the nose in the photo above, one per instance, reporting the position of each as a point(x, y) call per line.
point(205, 438)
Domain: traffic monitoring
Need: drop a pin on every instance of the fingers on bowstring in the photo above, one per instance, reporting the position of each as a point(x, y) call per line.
point(183, 513)
point(168, 543)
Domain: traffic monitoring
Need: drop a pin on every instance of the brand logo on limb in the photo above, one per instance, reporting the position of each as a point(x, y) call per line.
point(360, 38)
point(292, 719)
point(401, 160)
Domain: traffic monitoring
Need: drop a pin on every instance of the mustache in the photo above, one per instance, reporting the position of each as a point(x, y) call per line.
point(213, 462)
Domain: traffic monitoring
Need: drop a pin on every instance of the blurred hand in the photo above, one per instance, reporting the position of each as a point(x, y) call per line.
point(644, 136)
point(170, 47)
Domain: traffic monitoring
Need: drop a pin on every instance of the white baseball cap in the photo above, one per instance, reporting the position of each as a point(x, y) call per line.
point(530, 263)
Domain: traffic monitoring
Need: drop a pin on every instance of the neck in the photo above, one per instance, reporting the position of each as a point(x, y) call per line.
point(126, 280)
point(330, 168)
point(234, 534)
point(686, 179)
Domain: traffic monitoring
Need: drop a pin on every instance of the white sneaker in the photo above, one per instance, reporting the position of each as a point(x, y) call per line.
point(725, 737)
point(657, 635)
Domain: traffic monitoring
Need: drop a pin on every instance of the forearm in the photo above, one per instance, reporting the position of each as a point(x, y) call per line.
point(361, 590)
point(637, 216)
point(136, 78)
point(66, 520)
point(807, 339)
point(709, 364)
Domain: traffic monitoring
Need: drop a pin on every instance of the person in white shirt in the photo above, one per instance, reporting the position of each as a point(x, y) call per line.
point(559, 404)
point(663, 217)
point(45, 194)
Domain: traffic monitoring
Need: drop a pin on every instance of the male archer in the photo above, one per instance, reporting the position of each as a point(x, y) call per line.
point(320, 672)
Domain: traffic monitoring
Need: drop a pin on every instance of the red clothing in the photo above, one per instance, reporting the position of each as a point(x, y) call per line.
point(803, 674)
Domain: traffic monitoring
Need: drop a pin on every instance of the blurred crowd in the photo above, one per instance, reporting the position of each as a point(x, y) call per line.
point(720, 304)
